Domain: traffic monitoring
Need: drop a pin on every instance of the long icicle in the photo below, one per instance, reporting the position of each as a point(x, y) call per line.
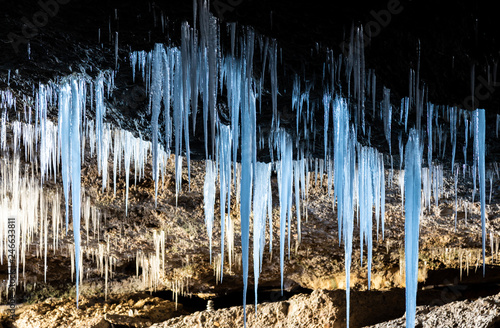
point(412, 218)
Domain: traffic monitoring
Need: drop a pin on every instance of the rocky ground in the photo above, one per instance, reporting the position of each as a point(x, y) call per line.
point(327, 309)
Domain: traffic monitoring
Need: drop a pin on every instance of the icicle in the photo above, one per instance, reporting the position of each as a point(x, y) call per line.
point(479, 152)
point(412, 218)
point(285, 168)
point(430, 113)
point(453, 129)
point(466, 141)
point(116, 50)
point(74, 136)
point(128, 148)
point(367, 176)
point(344, 170)
point(498, 122)
point(133, 61)
point(117, 153)
point(187, 53)
point(156, 89)
point(326, 105)
point(100, 112)
point(341, 129)
point(387, 112)
point(65, 142)
point(348, 214)
point(382, 193)
point(248, 153)
point(407, 106)
point(296, 175)
point(224, 161)
point(262, 177)
point(273, 68)
point(178, 104)
point(489, 174)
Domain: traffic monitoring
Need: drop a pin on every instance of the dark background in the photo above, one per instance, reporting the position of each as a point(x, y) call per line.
point(455, 38)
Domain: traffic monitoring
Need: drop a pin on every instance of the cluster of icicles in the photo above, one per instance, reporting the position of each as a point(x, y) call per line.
point(177, 78)
point(57, 150)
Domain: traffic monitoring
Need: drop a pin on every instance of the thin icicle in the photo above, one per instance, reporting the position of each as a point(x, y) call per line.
point(209, 199)
point(285, 171)
point(156, 89)
point(479, 151)
point(224, 160)
point(387, 113)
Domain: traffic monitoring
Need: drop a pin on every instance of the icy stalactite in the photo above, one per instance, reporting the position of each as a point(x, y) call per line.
point(370, 192)
point(365, 196)
point(326, 105)
point(453, 133)
point(466, 123)
point(64, 141)
point(490, 176)
point(412, 219)
point(285, 175)
point(248, 149)
point(45, 143)
point(498, 123)
point(128, 152)
point(260, 204)
point(106, 146)
point(178, 110)
point(224, 139)
point(296, 179)
point(209, 198)
point(273, 68)
point(117, 153)
point(341, 129)
point(344, 168)
point(156, 95)
point(348, 210)
point(188, 52)
point(437, 182)
point(133, 64)
point(387, 115)
point(479, 154)
point(75, 168)
point(430, 113)
point(100, 112)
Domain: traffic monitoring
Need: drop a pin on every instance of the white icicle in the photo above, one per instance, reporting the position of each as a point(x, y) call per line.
point(209, 199)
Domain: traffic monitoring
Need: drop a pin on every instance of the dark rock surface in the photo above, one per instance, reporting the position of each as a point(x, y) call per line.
point(451, 37)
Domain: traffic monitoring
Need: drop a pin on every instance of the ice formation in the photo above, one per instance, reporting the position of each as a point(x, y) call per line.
point(412, 221)
point(199, 69)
